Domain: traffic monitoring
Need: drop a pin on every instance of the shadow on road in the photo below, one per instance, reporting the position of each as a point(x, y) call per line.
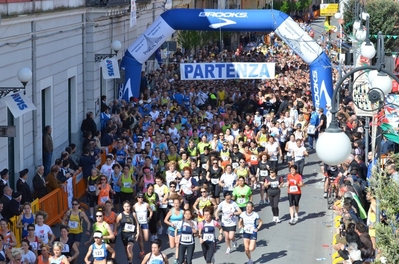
point(271, 256)
point(312, 216)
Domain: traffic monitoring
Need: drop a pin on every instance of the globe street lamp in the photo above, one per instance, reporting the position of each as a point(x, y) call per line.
point(24, 75)
point(116, 45)
point(333, 147)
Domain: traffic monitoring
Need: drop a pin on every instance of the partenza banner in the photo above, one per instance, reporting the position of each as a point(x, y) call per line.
point(231, 70)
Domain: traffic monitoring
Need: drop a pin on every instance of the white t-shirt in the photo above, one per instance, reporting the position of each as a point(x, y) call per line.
point(228, 216)
point(298, 152)
point(107, 170)
point(272, 150)
point(186, 185)
point(249, 221)
point(228, 180)
point(30, 257)
point(43, 232)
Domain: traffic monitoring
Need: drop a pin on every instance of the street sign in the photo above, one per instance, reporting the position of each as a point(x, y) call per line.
point(328, 9)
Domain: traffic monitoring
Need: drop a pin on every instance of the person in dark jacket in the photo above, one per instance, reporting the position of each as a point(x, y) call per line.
point(23, 186)
point(88, 124)
point(13, 207)
point(3, 181)
point(87, 162)
point(39, 183)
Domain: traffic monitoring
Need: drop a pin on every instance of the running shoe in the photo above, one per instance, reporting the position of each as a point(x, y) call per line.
point(241, 231)
point(213, 260)
point(261, 202)
point(250, 261)
point(175, 261)
point(142, 254)
point(234, 244)
point(160, 230)
point(152, 238)
point(228, 251)
point(274, 219)
point(91, 218)
point(291, 222)
point(267, 202)
point(325, 195)
point(296, 218)
point(278, 220)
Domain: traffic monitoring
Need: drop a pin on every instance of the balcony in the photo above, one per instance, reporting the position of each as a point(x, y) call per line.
point(107, 3)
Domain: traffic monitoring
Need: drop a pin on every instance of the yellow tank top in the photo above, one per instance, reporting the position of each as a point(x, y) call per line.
point(201, 205)
point(126, 184)
point(174, 157)
point(263, 140)
point(75, 224)
point(183, 164)
point(242, 172)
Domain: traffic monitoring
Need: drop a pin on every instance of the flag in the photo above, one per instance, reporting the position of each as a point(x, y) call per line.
point(19, 104)
point(133, 16)
point(110, 68)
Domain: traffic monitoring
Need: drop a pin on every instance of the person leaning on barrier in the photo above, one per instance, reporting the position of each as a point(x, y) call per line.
point(52, 181)
point(39, 183)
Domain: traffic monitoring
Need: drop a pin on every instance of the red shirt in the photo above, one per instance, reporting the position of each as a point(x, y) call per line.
point(293, 182)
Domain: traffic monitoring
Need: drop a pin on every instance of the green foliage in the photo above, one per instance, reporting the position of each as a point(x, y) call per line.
point(387, 193)
point(287, 6)
point(383, 17)
point(191, 39)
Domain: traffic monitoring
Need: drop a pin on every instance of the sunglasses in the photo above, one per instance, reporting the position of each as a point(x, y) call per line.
point(242, 162)
point(215, 163)
point(140, 197)
point(31, 229)
point(99, 216)
point(172, 186)
point(203, 191)
point(103, 179)
point(75, 204)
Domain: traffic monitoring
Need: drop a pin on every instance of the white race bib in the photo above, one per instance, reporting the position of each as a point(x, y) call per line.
point(214, 181)
point(104, 199)
point(241, 200)
point(98, 253)
point(152, 206)
point(186, 238)
point(92, 188)
point(66, 248)
point(249, 229)
point(204, 166)
point(129, 228)
point(225, 157)
point(126, 184)
point(227, 219)
point(263, 173)
point(33, 245)
point(293, 188)
point(73, 224)
point(209, 237)
point(142, 219)
point(254, 157)
point(235, 165)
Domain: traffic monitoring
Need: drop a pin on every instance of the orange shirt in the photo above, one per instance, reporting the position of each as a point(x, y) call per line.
point(103, 196)
point(293, 182)
point(40, 260)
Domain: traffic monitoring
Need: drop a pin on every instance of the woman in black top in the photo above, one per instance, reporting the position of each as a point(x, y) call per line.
point(273, 184)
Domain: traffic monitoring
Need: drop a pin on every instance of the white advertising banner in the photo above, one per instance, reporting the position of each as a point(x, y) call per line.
point(110, 68)
point(298, 40)
point(231, 70)
point(151, 40)
point(19, 104)
point(133, 13)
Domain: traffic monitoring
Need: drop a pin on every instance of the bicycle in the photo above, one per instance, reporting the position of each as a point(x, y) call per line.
point(331, 192)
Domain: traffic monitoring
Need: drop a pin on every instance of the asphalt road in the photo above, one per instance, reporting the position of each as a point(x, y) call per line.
point(304, 242)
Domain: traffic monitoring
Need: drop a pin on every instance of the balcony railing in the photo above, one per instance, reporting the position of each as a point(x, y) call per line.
point(105, 3)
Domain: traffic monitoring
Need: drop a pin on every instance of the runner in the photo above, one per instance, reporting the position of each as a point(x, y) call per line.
point(251, 223)
point(242, 194)
point(230, 211)
point(155, 256)
point(99, 250)
point(172, 174)
point(228, 180)
point(92, 183)
point(274, 151)
point(68, 244)
point(236, 156)
point(104, 191)
point(127, 183)
point(213, 175)
point(262, 172)
point(152, 199)
point(130, 230)
point(115, 184)
point(34, 241)
point(188, 229)
point(273, 184)
point(42, 230)
point(73, 218)
point(110, 219)
point(294, 184)
point(25, 218)
point(206, 233)
point(143, 213)
point(58, 258)
point(205, 200)
point(174, 216)
point(162, 190)
point(189, 189)
point(299, 153)
point(103, 227)
point(289, 149)
point(242, 170)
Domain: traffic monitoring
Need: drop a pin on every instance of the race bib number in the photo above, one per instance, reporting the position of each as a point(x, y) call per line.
point(209, 237)
point(98, 253)
point(241, 200)
point(214, 181)
point(92, 188)
point(263, 173)
point(254, 157)
point(235, 165)
point(129, 228)
point(66, 248)
point(174, 223)
point(126, 184)
point(249, 229)
point(186, 238)
point(225, 158)
point(204, 166)
point(73, 224)
point(33, 245)
point(104, 199)
point(227, 219)
point(142, 219)
point(293, 188)
point(152, 206)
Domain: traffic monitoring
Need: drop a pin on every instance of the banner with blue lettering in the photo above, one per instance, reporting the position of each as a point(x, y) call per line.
point(231, 70)
point(19, 104)
point(131, 88)
point(110, 68)
point(230, 20)
point(321, 82)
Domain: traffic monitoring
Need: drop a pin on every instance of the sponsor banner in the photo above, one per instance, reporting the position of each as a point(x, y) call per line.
point(298, 40)
point(150, 40)
point(321, 82)
point(19, 104)
point(328, 9)
point(133, 13)
point(131, 87)
point(360, 90)
point(110, 68)
point(392, 110)
point(234, 70)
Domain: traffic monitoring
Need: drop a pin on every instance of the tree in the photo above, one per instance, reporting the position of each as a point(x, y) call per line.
point(383, 17)
point(189, 39)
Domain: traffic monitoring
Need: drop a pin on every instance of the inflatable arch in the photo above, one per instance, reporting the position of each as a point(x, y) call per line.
point(229, 20)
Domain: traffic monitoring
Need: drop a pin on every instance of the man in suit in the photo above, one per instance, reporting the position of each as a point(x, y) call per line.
point(7, 196)
point(39, 183)
point(23, 186)
point(3, 181)
point(13, 207)
point(52, 181)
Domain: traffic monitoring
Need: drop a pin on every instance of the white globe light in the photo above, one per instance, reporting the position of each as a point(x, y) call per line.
point(367, 51)
point(383, 82)
point(116, 45)
point(372, 75)
point(365, 15)
point(338, 15)
point(361, 34)
point(333, 148)
point(356, 25)
point(24, 75)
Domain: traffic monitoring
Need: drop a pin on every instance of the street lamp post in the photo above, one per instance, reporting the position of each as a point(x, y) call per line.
point(116, 45)
point(24, 75)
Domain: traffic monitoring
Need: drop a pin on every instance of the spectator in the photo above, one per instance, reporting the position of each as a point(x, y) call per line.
point(7, 196)
point(13, 207)
point(39, 183)
point(87, 162)
point(52, 181)
point(3, 181)
point(47, 149)
point(88, 124)
point(366, 247)
point(23, 186)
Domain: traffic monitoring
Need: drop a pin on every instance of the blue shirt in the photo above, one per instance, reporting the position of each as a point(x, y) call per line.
point(314, 119)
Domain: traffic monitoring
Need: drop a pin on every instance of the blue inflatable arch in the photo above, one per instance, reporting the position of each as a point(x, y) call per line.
point(230, 20)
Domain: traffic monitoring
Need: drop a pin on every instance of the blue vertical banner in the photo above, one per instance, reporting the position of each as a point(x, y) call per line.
point(131, 86)
point(321, 82)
